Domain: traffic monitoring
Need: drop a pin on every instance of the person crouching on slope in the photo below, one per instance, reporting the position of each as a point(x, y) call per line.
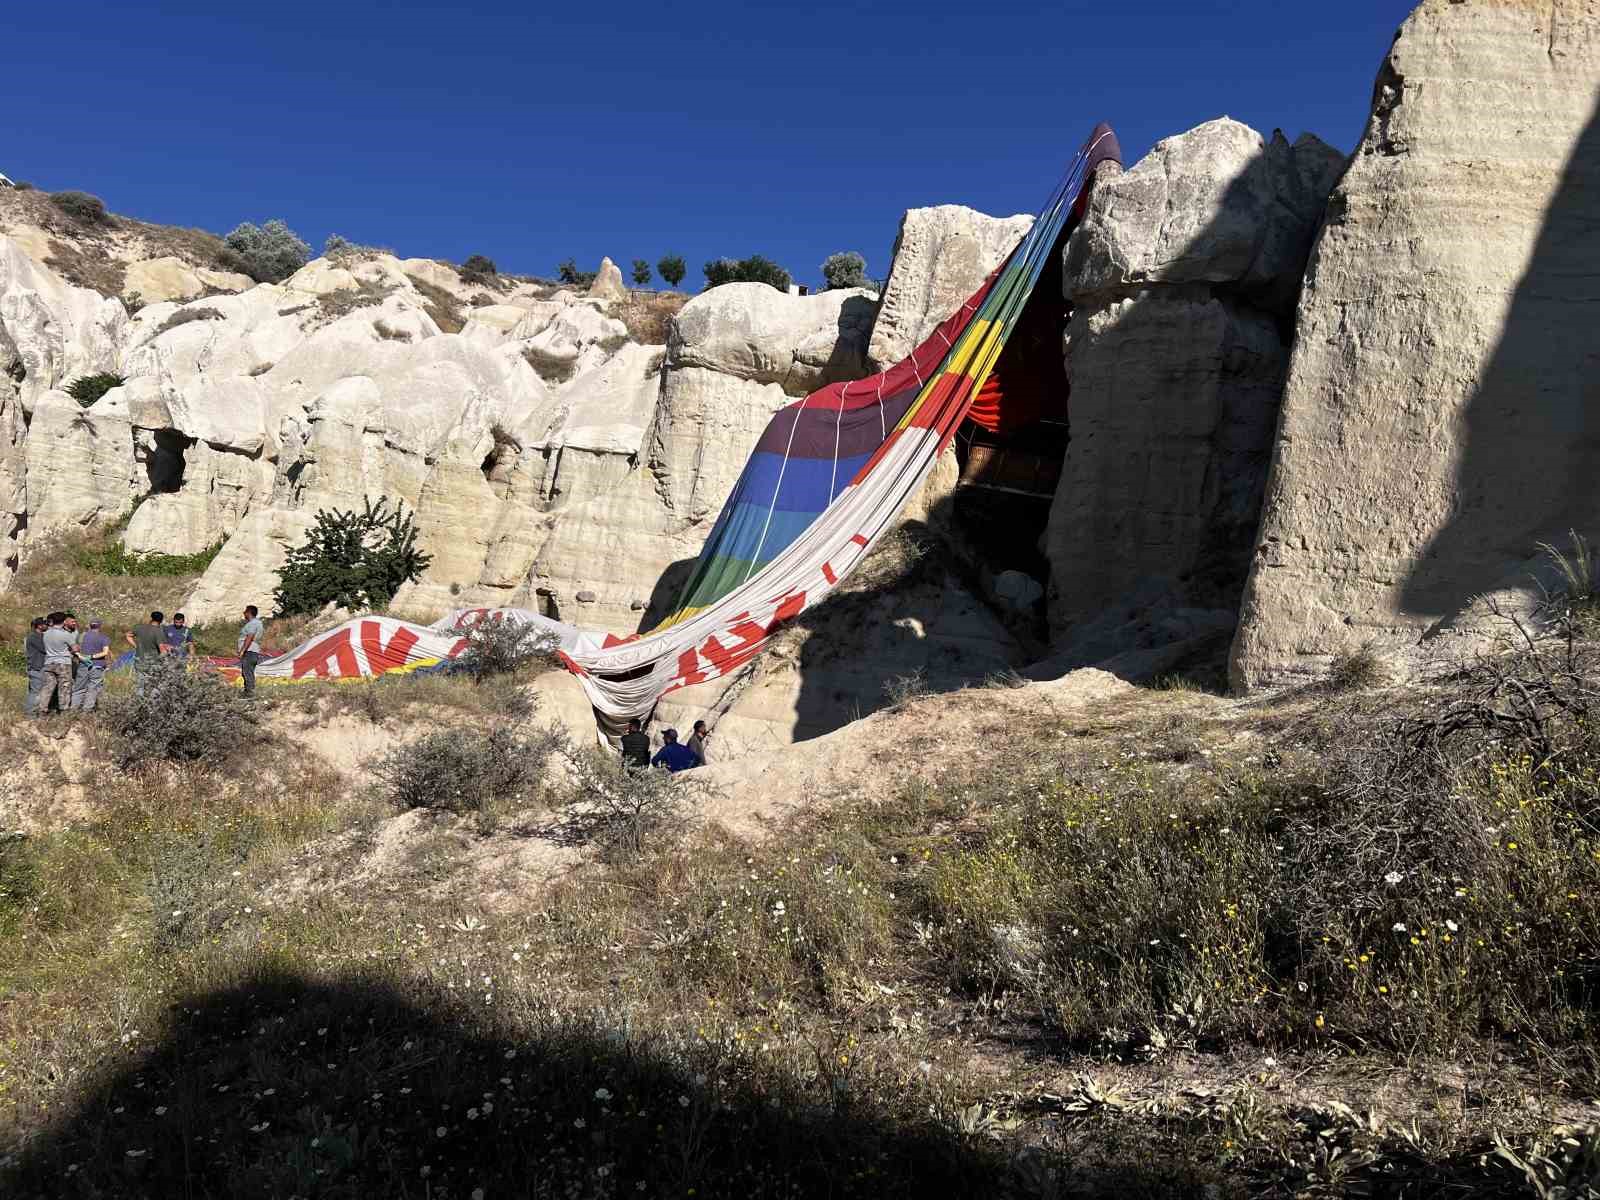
point(673, 756)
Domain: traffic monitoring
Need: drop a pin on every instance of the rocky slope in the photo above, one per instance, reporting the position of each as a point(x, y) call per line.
point(1442, 413)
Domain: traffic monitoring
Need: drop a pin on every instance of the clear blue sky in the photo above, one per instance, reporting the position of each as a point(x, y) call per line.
point(536, 131)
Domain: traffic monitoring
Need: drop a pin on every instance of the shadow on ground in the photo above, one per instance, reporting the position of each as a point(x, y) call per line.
point(285, 1087)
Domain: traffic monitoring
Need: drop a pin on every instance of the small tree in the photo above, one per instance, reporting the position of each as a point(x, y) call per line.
point(479, 268)
point(86, 389)
point(755, 269)
point(352, 559)
point(672, 269)
point(641, 272)
point(846, 269)
point(569, 273)
point(269, 253)
point(81, 206)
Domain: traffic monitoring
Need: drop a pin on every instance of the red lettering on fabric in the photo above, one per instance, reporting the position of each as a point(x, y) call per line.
point(860, 541)
point(381, 658)
point(827, 573)
point(751, 634)
point(335, 647)
point(689, 672)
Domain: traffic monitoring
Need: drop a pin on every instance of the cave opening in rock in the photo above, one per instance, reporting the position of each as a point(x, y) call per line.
point(164, 465)
point(1010, 450)
point(498, 463)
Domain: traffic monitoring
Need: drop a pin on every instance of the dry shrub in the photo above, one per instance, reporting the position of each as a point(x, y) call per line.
point(440, 304)
point(341, 303)
point(506, 647)
point(185, 316)
point(626, 810)
point(182, 714)
point(89, 267)
point(466, 770)
point(1356, 669)
point(549, 367)
point(648, 315)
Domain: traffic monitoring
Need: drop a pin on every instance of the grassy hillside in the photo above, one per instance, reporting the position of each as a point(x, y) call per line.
point(1342, 942)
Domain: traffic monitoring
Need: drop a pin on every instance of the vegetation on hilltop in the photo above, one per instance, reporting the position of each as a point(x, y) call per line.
point(755, 269)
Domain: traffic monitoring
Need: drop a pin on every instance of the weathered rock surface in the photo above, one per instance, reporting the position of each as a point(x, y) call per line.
point(941, 256)
point(551, 462)
point(607, 283)
point(1441, 413)
point(154, 280)
point(1182, 277)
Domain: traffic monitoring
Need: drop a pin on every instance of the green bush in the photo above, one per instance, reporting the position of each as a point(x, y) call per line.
point(86, 389)
point(755, 269)
point(81, 206)
point(846, 269)
point(672, 269)
point(351, 559)
point(641, 272)
point(115, 559)
point(268, 253)
point(478, 269)
point(185, 870)
point(19, 879)
point(625, 810)
point(569, 274)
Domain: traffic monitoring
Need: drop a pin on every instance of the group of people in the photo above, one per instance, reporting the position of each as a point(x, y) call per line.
point(67, 665)
point(674, 755)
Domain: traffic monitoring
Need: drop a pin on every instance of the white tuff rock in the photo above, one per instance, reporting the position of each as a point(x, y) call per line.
point(1441, 411)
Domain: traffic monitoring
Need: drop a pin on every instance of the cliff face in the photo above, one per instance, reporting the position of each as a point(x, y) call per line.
point(1442, 410)
point(1182, 279)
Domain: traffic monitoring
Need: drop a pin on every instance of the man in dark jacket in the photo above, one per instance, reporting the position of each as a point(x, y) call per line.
point(636, 745)
point(33, 646)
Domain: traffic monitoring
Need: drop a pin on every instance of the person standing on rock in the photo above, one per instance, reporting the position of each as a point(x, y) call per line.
point(94, 655)
point(58, 640)
point(636, 746)
point(147, 650)
point(250, 635)
point(33, 646)
point(697, 741)
point(673, 755)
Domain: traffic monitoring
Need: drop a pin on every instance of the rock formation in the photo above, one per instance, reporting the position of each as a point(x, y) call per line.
point(941, 255)
point(607, 283)
point(1442, 412)
point(1182, 278)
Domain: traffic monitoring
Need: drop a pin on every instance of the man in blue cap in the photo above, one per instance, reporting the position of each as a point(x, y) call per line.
point(674, 756)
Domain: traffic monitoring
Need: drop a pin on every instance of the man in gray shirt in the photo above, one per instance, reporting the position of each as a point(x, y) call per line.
point(148, 647)
point(58, 643)
point(250, 635)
